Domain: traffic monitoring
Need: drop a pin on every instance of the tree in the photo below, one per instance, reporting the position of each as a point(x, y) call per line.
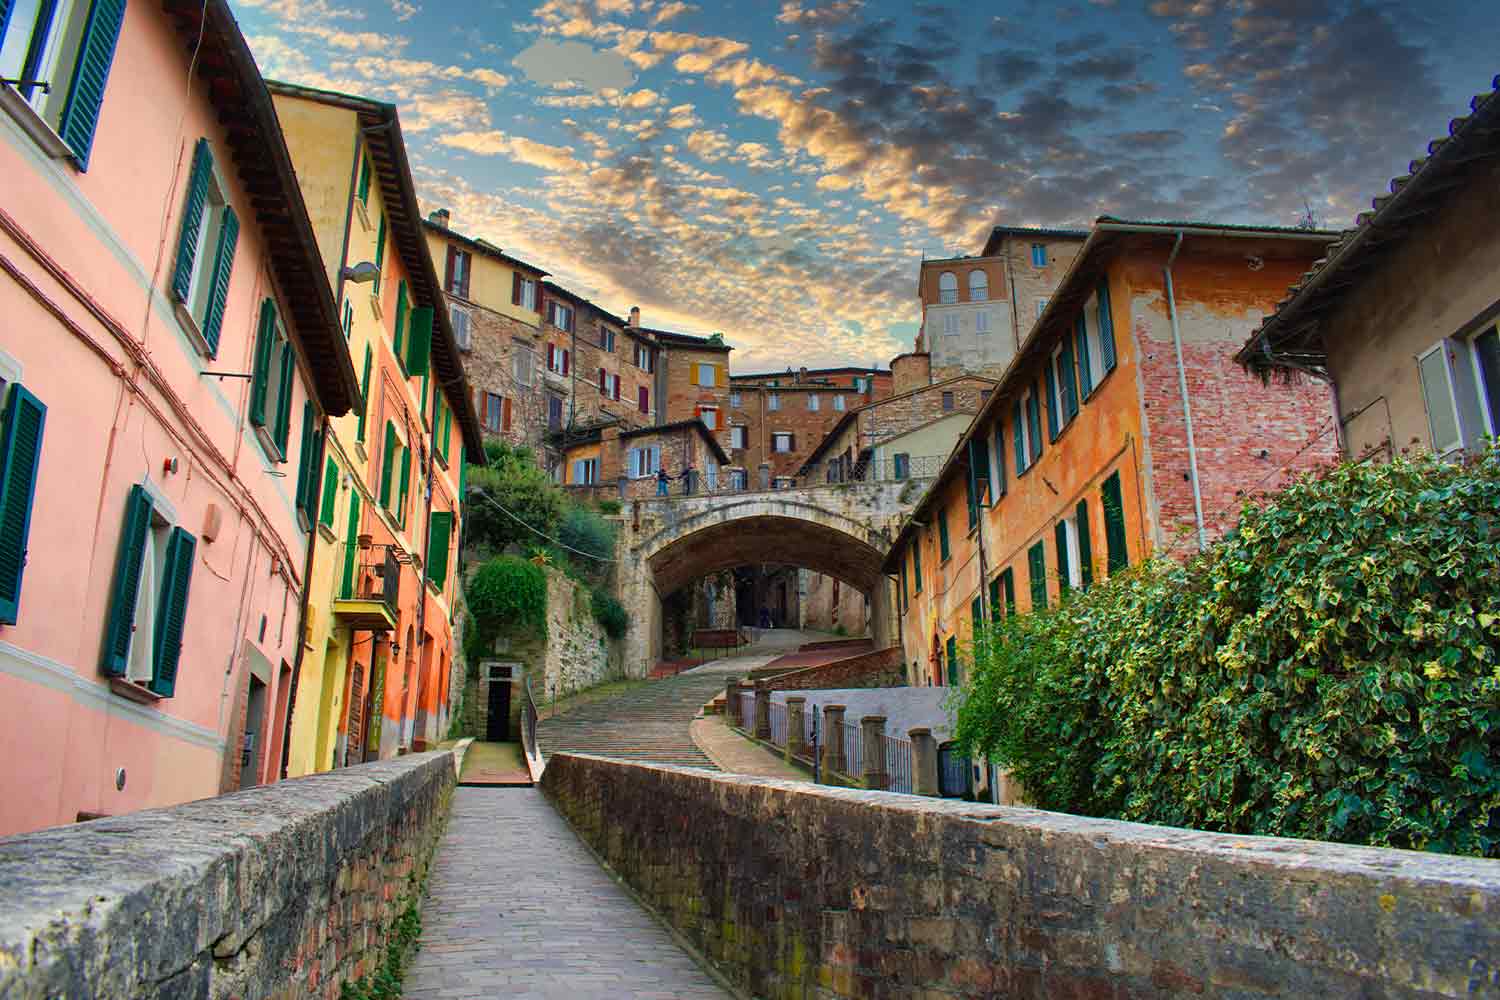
point(513, 494)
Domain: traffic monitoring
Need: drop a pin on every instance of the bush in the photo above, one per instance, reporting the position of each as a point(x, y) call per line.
point(1328, 670)
point(609, 613)
point(583, 530)
point(609, 506)
point(513, 481)
point(507, 596)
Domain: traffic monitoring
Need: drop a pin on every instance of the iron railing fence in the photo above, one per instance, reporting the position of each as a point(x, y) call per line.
point(528, 722)
point(371, 573)
point(898, 765)
point(747, 711)
point(778, 723)
point(895, 469)
point(954, 773)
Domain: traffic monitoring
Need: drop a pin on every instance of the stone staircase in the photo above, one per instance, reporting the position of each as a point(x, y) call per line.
point(647, 723)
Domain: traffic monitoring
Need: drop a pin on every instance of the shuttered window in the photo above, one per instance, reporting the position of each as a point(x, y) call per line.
point(364, 395)
point(351, 547)
point(1008, 589)
point(1054, 422)
point(24, 420)
point(439, 532)
point(1106, 329)
point(379, 252)
point(148, 615)
point(364, 179)
point(952, 650)
point(1036, 566)
point(1117, 554)
point(95, 55)
point(271, 384)
point(419, 341)
point(404, 498)
point(916, 563)
point(999, 458)
point(398, 330)
point(1064, 569)
point(1081, 351)
point(976, 614)
point(206, 242)
point(979, 478)
point(1085, 546)
point(1018, 427)
point(388, 464)
point(943, 549)
point(171, 612)
point(1034, 427)
point(308, 460)
point(1067, 381)
point(330, 492)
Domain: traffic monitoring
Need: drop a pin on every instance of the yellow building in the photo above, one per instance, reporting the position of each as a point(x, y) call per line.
point(377, 660)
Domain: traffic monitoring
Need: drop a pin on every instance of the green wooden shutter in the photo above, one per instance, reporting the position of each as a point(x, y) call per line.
point(171, 612)
point(330, 492)
point(970, 489)
point(265, 339)
point(351, 547)
point(405, 486)
point(1069, 379)
point(1034, 424)
point(942, 520)
point(1018, 424)
point(976, 614)
point(386, 465)
point(1001, 486)
point(1054, 423)
point(1064, 579)
point(904, 597)
point(96, 51)
point(916, 564)
point(20, 458)
point(439, 532)
point(213, 317)
point(127, 582)
point(400, 327)
point(192, 220)
point(995, 599)
point(306, 467)
point(1117, 554)
point(364, 395)
point(1085, 546)
point(284, 418)
point(419, 343)
point(379, 252)
point(445, 426)
point(1036, 564)
point(952, 650)
point(1009, 580)
point(1106, 329)
point(364, 179)
point(1081, 345)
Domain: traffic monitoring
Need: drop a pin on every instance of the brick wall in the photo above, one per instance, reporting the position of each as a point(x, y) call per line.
point(496, 340)
point(889, 895)
point(287, 890)
point(880, 669)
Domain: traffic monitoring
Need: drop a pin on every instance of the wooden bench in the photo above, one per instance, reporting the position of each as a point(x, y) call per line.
point(717, 638)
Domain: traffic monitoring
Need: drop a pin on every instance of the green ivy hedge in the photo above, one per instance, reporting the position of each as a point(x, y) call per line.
point(507, 595)
point(609, 613)
point(1330, 669)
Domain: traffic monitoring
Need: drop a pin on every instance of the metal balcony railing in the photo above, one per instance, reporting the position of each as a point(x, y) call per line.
point(372, 573)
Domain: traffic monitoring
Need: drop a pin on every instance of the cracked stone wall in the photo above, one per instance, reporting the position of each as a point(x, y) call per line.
point(285, 890)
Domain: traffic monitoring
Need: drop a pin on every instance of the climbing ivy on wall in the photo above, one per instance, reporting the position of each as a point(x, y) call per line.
point(506, 596)
point(1330, 669)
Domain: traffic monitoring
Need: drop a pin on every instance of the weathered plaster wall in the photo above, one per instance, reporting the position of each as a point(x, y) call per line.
point(281, 891)
point(796, 890)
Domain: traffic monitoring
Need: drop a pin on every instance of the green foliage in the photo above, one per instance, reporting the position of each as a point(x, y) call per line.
point(515, 482)
point(610, 506)
point(385, 982)
point(1328, 670)
point(609, 613)
point(840, 630)
point(583, 530)
point(507, 596)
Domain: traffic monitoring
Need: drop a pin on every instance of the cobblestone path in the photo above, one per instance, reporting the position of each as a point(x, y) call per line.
point(518, 908)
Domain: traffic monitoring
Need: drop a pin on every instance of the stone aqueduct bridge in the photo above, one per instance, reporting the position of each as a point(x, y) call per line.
point(842, 530)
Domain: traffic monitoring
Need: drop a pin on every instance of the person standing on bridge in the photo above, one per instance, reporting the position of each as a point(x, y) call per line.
point(662, 479)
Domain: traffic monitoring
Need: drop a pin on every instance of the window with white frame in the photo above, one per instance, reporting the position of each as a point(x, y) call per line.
point(1041, 305)
point(982, 322)
point(148, 607)
point(585, 471)
point(706, 375)
point(1038, 255)
point(606, 339)
point(1090, 353)
point(522, 364)
point(813, 402)
point(557, 359)
point(526, 293)
point(947, 287)
point(205, 252)
point(979, 286)
point(559, 315)
point(838, 402)
point(1460, 380)
point(781, 441)
point(459, 320)
point(642, 462)
point(1074, 566)
point(645, 357)
point(783, 483)
point(738, 435)
point(40, 52)
point(734, 399)
point(773, 400)
point(739, 479)
point(493, 412)
point(950, 324)
point(710, 417)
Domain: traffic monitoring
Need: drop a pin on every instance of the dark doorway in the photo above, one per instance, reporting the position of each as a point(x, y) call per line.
point(497, 729)
point(255, 717)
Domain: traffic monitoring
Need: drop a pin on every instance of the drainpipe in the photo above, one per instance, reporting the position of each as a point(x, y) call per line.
point(1015, 303)
point(1187, 409)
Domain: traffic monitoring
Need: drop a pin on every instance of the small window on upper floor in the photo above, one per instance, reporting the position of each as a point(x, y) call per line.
point(1041, 305)
point(206, 242)
point(950, 324)
point(947, 400)
point(947, 287)
point(1038, 255)
point(607, 339)
point(979, 286)
point(459, 320)
point(812, 401)
point(734, 398)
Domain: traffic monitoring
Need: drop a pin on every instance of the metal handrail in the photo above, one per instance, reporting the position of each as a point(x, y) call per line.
point(528, 727)
point(375, 575)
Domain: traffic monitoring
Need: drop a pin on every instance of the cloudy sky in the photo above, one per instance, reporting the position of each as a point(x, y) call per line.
point(776, 169)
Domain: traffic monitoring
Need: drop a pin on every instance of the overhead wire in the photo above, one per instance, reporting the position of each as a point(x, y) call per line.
point(476, 491)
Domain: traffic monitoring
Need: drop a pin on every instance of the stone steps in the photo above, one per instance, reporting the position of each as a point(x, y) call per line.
point(649, 723)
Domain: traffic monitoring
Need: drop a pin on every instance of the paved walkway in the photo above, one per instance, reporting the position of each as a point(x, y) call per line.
point(735, 754)
point(518, 908)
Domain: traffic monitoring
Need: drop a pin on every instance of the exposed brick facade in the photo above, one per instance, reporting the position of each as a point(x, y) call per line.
point(877, 422)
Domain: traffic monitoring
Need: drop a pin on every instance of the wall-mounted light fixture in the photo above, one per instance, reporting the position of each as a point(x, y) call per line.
point(361, 273)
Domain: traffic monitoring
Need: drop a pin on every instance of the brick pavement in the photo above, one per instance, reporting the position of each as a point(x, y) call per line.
point(518, 908)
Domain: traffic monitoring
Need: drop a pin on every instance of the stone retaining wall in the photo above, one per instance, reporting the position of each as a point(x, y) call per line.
point(795, 890)
point(281, 891)
point(880, 669)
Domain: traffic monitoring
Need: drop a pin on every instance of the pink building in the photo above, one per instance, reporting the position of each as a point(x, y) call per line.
point(170, 351)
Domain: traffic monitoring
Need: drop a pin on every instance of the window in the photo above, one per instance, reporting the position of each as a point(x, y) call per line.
point(439, 541)
point(782, 442)
point(644, 399)
point(706, 375)
point(271, 383)
point(442, 428)
point(395, 474)
point(523, 292)
point(559, 315)
point(905, 597)
point(364, 395)
point(330, 493)
point(738, 434)
point(645, 358)
point(1026, 423)
point(947, 401)
point(943, 550)
point(947, 287)
point(979, 286)
point(950, 324)
point(606, 339)
point(642, 462)
point(786, 483)
point(1041, 305)
point(459, 320)
point(309, 459)
point(58, 54)
point(838, 402)
point(985, 394)
point(554, 412)
point(1460, 381)
point(1106, 331)
point(901, 466)
point(739, 479)
point(21, 424)
point(494, 413)
point(1038, 255)
point(559, 360)
point(951, 649)
point(585, 472)
point(976, 614)
point(1062, 387)
point(1111, 498)
point(982, 322)
point(1003, 593)
point(773, 400)
point(734, 399)
point(812, 401)
point(1036, 566)
point(148, 597)
point(916, 563)
point(1487, 365)
point(861, 385)
point(364, 181)
point(347, 324)
point(609, 384)
point(456, 273)
point(977, 483)
point(710, 417)
point(379, 257)
point(522, 363)
point(997, 461)
point(205, 251)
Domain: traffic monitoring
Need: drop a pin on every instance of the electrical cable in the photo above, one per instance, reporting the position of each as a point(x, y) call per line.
point(476, 491)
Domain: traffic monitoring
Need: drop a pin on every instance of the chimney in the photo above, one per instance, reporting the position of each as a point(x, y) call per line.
point(635, 316)
point(802, 374)
point(439, 218)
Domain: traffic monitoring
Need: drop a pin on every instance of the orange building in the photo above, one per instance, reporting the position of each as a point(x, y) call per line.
point(1122, 428)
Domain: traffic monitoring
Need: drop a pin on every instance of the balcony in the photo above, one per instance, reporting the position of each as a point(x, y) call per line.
point(370, 588)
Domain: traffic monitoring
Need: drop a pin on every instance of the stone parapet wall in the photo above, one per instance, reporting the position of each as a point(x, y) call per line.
point(286, 890)
point(794, 890)
point(879, 669)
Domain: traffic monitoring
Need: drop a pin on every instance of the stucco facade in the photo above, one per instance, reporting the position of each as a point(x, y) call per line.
point(147, 653)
